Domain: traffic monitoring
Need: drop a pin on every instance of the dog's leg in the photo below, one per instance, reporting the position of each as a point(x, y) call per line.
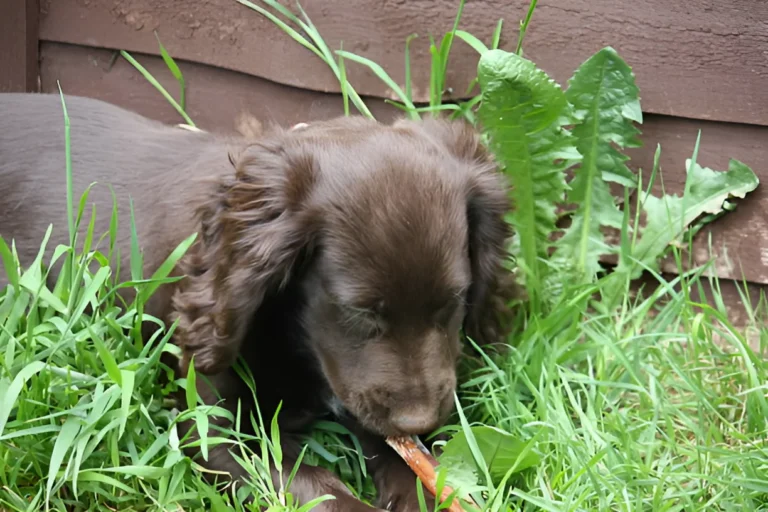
point(311, 482)
point(223, 389)
point(308, 483)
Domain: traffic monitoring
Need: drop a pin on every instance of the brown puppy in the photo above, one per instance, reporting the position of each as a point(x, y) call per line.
point(341, 260)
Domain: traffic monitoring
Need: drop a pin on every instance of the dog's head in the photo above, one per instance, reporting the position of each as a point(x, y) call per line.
point(397, 236)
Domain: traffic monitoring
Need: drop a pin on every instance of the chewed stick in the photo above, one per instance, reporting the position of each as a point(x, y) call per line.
point(421, 462)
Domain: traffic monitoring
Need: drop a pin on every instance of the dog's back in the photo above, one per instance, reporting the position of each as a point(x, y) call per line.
point(154, 164)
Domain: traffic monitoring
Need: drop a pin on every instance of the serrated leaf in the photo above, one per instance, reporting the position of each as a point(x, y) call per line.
point(668, 217)
point(522, 113)
point(501, 451)
point(605, 105)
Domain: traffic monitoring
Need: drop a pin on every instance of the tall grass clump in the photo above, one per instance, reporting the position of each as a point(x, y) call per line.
point(88, 411)
point(618, 389)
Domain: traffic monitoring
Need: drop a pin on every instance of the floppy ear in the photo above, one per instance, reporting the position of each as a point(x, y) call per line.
point(253, 231)
point(487, 204)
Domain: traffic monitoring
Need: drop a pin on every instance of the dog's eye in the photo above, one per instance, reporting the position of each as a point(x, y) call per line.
point(363, 322)
point(378, 308)
point(449, 313)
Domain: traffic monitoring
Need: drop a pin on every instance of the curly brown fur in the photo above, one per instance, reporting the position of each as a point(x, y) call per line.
point(340, 260)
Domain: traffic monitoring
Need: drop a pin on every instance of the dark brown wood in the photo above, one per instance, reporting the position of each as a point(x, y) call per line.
point(744, 307)
point(700, 59)
point(741, 235)
point(215, 97)
point(740, 238)
point(18, 45)
point(92, 72)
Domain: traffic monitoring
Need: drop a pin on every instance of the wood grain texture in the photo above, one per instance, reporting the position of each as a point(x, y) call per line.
point(739, 240)
point(216, 97)
point(700, 59)
point(18, 45)
point(744, 307)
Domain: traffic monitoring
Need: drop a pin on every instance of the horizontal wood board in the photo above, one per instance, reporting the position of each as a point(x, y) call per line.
point(18, 45)
point(217, 97)
point(699, 59)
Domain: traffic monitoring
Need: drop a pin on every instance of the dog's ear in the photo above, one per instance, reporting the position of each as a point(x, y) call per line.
point(488, 202)
point(254, 230)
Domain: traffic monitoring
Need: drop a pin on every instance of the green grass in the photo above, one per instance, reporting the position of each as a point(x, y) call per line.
point(601, 399)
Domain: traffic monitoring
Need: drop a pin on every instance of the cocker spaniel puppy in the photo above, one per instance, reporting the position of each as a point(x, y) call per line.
point(343, 260)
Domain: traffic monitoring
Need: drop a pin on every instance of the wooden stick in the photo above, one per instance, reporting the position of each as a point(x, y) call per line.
point(418, 458)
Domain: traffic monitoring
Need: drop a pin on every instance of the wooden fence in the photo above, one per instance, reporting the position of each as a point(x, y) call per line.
point(700, 65)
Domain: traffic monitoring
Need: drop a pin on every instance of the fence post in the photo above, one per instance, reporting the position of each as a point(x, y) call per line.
point(19, 69)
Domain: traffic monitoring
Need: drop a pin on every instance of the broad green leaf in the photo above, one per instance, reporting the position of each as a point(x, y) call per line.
point(501, 451)
point(668, 217)
point(472, 448)
point(523, 112)
point(461, 475)
point(605, 105)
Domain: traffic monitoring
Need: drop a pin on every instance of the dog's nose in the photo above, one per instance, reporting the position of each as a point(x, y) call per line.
point(416, 422)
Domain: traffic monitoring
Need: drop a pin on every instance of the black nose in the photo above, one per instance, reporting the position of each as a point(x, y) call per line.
point(416, 421)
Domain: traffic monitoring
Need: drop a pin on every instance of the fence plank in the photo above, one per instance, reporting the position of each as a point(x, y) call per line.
point(18, 45)
point(701, 59)
point(739, 239)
